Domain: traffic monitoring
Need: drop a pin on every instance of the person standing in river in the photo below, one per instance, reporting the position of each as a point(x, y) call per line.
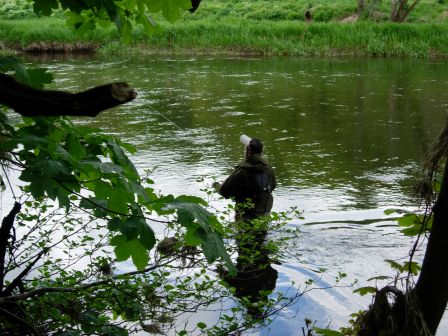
point(251, 183)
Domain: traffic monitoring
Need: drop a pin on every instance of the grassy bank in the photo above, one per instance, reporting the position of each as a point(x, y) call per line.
point(290, 38)
point(244, 36)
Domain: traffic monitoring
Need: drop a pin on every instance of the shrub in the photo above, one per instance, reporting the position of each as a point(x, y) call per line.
point(16, 9)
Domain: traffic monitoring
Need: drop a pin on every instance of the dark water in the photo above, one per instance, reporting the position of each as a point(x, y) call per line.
point(345, 137)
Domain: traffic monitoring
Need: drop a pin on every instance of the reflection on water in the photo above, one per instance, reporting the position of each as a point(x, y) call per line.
point(345, 137)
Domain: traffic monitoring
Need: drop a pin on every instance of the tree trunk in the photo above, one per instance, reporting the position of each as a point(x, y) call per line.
point(401, 9)
point(361, 7)
point(432, 286)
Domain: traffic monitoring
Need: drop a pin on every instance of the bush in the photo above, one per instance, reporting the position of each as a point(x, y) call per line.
point(16, 9)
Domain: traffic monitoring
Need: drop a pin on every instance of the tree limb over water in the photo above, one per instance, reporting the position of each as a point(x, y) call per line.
point(29, 101)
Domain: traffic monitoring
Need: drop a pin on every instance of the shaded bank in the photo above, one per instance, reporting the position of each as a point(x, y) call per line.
point(238, 37)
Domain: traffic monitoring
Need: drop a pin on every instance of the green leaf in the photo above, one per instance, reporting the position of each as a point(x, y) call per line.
point(408, 220)
point(114, 224)
point(171, 10)
point(8, 63)
point(74, 147)
point(117, 240)
point(126, 248)
point(154, 6)
point(192, 237)
point(120, 158)
point(147, 236)
point(131, 227)
point(140, 255)
point(202, 325)
point(413, 267)
point(194, 210)
point(412, 231)
point(327, 332)
point(123, 251)
point(395, 265)
point(213, 248)
point(380, 277)
point(365, 290)
point(391, 211)
point(44, 7)
point(39, 77)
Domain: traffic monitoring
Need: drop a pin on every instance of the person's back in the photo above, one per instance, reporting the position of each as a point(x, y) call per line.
point(251, 184)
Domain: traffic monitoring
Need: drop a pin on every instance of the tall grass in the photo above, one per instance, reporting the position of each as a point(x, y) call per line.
point(295, 38)
point(246, 36)
point(48, 29)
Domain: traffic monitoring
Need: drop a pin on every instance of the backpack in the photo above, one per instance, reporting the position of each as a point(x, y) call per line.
point(262, 183)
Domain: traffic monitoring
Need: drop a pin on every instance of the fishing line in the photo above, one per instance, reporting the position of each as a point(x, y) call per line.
point(166, 118)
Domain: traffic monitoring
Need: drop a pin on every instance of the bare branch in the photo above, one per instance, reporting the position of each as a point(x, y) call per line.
point(45, 290)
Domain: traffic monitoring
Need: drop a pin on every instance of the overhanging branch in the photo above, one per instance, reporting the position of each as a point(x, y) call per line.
point(31, 102)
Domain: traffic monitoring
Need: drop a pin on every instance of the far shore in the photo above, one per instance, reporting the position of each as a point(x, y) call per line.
point(241, 37)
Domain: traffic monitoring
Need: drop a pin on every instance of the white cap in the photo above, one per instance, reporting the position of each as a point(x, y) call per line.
point(245, 139)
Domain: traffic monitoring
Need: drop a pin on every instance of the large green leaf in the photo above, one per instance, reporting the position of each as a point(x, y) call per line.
point(147, 236)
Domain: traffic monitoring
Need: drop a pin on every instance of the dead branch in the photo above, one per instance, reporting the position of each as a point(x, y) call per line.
point(31, 102)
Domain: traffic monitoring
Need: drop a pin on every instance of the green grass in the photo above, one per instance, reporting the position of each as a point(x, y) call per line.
point(295, 38)
point(260, 27)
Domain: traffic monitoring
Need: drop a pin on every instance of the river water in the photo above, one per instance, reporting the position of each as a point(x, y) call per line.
point(345, 137)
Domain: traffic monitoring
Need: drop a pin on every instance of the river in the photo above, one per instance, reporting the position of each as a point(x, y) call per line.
point(345, 137)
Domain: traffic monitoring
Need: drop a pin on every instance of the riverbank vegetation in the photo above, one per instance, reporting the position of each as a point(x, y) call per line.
point(252, 27)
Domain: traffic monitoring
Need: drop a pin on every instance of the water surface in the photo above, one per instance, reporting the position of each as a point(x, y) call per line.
point(345, 136)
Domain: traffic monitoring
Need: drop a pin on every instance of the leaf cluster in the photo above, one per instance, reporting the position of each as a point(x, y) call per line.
point(85, 15)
